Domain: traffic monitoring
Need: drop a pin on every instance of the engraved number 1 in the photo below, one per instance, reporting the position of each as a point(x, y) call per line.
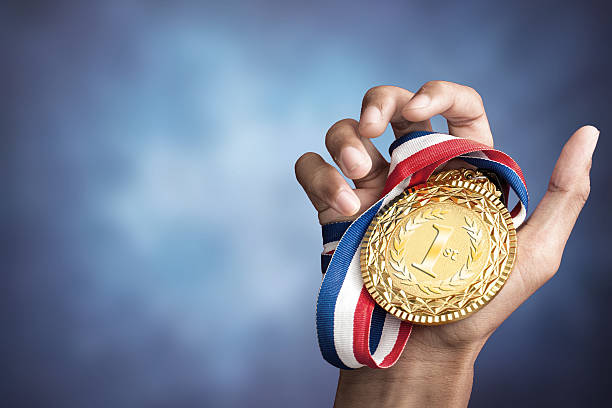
point(442, 236)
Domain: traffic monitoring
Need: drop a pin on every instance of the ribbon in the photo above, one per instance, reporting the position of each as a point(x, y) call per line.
point(352, 330)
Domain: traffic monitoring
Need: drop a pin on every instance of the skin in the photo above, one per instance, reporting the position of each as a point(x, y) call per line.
point(436, 368)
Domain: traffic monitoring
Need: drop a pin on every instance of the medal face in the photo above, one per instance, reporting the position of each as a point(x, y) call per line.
point(439, 251)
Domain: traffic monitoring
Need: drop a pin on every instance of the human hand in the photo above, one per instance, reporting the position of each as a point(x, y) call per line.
point(446, 352)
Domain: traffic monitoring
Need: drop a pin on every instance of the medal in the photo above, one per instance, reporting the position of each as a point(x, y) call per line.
point(435, 248)
point(440, 251)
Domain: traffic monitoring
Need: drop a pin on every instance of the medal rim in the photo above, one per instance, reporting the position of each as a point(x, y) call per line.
point(468, 310)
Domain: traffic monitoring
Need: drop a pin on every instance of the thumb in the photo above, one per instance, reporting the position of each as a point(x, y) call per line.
point(546, 232)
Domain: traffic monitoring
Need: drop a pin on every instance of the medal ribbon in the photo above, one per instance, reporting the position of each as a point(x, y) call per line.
point(352, 330)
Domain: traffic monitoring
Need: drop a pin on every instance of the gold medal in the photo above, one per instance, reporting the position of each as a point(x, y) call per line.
point(439, 252)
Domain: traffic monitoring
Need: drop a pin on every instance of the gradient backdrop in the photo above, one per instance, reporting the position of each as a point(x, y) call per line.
point(159, 251)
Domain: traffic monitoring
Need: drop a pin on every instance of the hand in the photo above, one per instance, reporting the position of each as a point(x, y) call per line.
point(451, 349)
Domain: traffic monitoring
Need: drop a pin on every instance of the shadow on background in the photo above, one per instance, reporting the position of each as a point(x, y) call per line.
point(160, 252)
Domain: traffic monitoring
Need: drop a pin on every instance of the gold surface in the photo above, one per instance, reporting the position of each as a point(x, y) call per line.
point(439, 251)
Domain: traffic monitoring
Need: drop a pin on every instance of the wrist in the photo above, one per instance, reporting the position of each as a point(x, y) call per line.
point(424, 376)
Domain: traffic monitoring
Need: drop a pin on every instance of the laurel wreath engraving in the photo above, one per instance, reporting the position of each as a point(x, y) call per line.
point(402, 297)
point(403, 273)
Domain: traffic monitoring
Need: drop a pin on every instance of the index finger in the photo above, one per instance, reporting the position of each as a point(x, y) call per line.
point(461, 105)
point(381, 106)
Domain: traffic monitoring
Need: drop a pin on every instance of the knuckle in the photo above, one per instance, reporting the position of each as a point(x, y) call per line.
point(376, 90)
point(376, 94)
point(337, 128)
point(444, 86)
point(577, 191)
point(435, 85)
point(474, 95)
point(583, 187)
point(341, 123)
point(556, 186)
point(582, 192)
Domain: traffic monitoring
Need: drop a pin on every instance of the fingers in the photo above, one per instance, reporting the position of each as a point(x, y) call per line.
point(383, 105)
point(461, 105)
point(544, 235)
point(356, 156)
point(325, 187)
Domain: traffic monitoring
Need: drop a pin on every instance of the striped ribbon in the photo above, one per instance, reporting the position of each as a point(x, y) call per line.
point(353, 331)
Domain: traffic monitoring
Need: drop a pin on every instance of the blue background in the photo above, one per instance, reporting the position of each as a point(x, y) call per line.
point(160, 253)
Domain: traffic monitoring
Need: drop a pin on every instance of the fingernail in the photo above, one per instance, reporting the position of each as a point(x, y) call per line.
point(419, 101)
point(371, 114)
point(595, 136)
point(347, 203)
point(351, 158)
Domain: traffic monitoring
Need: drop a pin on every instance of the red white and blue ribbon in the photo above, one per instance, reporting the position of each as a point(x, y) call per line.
point(353, 331)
